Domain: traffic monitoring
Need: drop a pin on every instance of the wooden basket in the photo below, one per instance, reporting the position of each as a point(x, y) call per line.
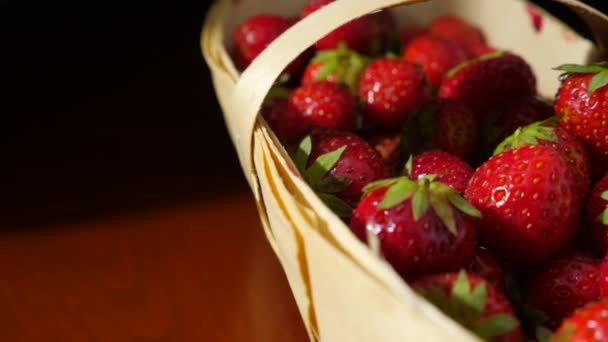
point(345, 293)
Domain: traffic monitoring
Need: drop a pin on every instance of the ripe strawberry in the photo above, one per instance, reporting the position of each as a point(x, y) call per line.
point(526, 196)
point(595, 230)
point(449, 169)
point(287, 124)
point(325, 105)
point(582, 103)
point(338, 165)
point(459, 31)
point(255, 34)
point(340, 66)
point(422, 226)
point(485, 265)
point(390, 89)
point(446, 125)
point(409, 35)
point(388, 146)
point(566, 284)
point(363, 35)
point(487, 81)
point(509, 116)
point(588, 324)
point(546, 133)
point(603, 277)
point(436, 56)
point(474, 303)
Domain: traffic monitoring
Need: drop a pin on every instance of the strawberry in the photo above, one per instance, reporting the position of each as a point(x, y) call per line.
point(566, 284)
point(390, 89)
point(595, 230)
point(340, 66)
point(528, 202)
point(436, 56)
point(487, 81)
point(459, 31)
point(338, 165)
point(287, 124)
point(422, 226)
point(326, 105)
point(603, 277)
point(363, 35)
point(409, 35)
point(509, 116)
point(446, 125)
point(474, 303)
point(388, 146)
point(547, 133)
point(255, 34)
point(449, 169)
point(587, 324)
point(481, 50)
point(582, 104)
point(485, 265)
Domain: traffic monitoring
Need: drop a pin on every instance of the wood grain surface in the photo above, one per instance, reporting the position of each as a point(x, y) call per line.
point(201, 272)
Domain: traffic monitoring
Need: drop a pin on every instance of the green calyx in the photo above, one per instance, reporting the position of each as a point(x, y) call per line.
point(347, 65)
point(424, 193)
point(600, 70)
point(603, 218)
point(466, 304)
point(530, 135)
point(482, 58)
point(316, 175)
point(565, 334)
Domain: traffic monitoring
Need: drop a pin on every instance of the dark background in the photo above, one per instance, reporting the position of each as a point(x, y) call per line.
point(107, 108)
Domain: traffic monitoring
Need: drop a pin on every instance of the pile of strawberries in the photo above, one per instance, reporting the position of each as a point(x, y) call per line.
point(435, 148)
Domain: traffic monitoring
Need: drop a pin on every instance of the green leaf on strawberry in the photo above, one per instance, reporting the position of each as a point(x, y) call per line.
point(530, 135)
point(345, 64)
point(600, 70)
point(425, 193)
point(316, 176)
point(467, 304)
point(603, 218)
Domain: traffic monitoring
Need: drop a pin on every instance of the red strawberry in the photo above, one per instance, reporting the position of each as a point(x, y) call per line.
point(582, 103)
point(287, 124)
point(422, 226)
point(488, 81)
point(436, 56)
point(474, 303)
point(595, 230)
point(325, 105)
point(390, 89)
point(486, 266)
point(603, 277)
point(388, 146)
point(340, 66)
point(513, 114)
point(363, 35)
point(409, 35)
point(459, 31)
point(547, 134)
point(588, 324)
point(566, 284)
point(338, 165)
point(255, 34)
point(528, 202)
point(445, 125)
point(449, 169)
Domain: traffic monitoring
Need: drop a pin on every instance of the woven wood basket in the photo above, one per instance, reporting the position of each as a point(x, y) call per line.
point(344, 292)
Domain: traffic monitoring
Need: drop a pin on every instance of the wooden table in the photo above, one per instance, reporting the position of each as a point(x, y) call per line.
point(200, 272)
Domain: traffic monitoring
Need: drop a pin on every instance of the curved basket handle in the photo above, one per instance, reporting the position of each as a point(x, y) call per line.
point(597, 21)
point(258, 78)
